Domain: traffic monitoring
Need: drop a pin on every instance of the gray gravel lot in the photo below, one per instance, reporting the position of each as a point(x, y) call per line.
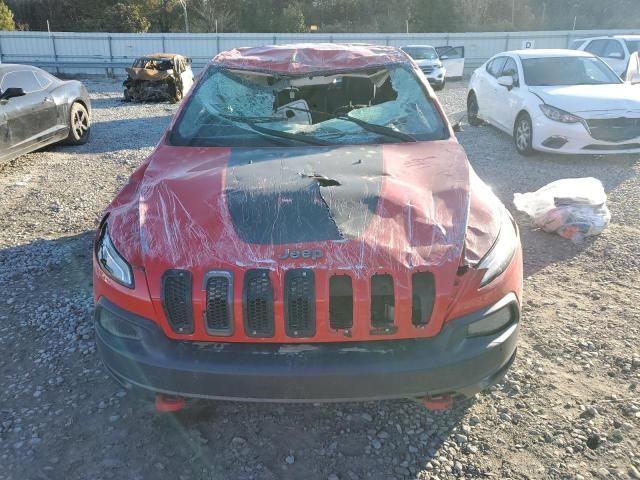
point(569, 408)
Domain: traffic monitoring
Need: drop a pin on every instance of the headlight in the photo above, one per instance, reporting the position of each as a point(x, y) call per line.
point(492, 323)
point(502, 251)
point(111, 261)
point(558, 115)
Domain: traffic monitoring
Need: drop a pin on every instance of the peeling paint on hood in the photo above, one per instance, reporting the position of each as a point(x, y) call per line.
point(182, 205)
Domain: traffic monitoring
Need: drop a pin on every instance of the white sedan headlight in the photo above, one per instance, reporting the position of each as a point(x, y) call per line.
point(111, 261)
point(499, 256)
point(558, 115)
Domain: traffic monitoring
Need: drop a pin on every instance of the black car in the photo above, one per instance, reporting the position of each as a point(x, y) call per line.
point(38, 109)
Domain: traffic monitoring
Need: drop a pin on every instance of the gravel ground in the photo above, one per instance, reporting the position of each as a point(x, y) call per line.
point(569, 408)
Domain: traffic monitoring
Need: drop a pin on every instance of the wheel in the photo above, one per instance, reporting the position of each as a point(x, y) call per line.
point(439, 87)
point(79, 125)
point(178, 95)
point(523, 134)
point(472, 110)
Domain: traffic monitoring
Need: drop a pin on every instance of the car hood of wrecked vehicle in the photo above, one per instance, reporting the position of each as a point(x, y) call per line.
point(368, 207)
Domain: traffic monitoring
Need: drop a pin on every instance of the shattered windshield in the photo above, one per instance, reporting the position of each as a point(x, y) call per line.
point(241, 108)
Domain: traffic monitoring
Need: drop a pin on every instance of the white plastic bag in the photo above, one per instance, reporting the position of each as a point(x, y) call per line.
point(574, 208)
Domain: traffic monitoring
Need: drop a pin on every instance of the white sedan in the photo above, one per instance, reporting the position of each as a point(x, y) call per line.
point(560, 101)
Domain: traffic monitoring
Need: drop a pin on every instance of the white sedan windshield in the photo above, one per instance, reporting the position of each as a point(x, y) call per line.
point(555, 71)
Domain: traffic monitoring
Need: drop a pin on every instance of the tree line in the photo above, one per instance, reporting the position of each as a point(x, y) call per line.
point(327, 16)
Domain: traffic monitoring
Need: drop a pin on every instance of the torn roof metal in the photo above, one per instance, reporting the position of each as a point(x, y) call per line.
point(296, 59)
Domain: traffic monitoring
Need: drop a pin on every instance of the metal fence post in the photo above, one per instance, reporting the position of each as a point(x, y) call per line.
point(55, 53)
point(217, 43)
point(164, 47)
point(275, 39)
point(506, 43)
point(1, 48)
point(110, 57)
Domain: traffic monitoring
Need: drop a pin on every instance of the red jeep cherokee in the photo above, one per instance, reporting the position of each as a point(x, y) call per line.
point(308, 229)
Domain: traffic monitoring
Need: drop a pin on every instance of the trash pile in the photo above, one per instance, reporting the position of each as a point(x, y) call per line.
point(574, 208)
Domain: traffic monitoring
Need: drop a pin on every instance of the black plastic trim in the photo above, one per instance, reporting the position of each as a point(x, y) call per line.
point(448, 363)
point(188, 299)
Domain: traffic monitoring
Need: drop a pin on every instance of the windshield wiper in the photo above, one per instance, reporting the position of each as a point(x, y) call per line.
point(372, 127)
point(275, 133)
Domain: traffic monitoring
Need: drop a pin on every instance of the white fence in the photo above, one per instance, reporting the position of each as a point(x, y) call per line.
point(99, 53)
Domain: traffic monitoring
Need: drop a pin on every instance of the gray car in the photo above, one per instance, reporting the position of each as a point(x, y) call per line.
point(38, 109)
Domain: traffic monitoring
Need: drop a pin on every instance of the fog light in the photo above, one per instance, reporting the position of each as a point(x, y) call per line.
point(116, 326)
point(555, 141)
point(492, 323)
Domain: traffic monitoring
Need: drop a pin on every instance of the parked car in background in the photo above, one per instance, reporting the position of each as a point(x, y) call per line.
point(158, 77)
point(561, 101)
point(426, 57)
point(452, 59)
point(308, 229)
point(617, 51)
point(38, 109)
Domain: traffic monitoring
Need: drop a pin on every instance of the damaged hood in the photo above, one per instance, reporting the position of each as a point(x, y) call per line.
point(359, 208)
point(581, 99)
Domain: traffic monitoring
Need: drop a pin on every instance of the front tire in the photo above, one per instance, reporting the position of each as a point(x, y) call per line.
point(472, 110)
point(523, 134)
point(79, 125)
point(439, 86)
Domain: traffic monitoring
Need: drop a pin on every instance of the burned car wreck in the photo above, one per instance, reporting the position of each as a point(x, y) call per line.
point(158, 77)
point(308, 229)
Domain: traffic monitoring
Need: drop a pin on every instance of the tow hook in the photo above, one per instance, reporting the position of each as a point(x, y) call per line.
point(439, 403)
point(168, 403)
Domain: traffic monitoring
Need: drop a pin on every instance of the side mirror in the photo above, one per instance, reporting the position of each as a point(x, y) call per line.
point(506, 81)
point(616, 55)
point(12, 93)
point(635, 78)
point(444, 57)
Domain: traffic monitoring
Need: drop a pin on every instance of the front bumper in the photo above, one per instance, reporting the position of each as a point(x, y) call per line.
point(437, 77)
point(449, 363)
point(573, 138)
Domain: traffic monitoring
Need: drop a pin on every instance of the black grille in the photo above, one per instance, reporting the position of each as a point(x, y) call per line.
point(382, 303)
point(340, 302)
point(622, 146)
point(176, 300)
point(619, 129)
point(428, 69)
point(258, 303)
point(424, 294)
point(219, 310)
point(300, 303)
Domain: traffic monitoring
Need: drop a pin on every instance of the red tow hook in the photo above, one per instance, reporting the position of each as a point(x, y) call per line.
point(168, 403)
point(444, 402)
